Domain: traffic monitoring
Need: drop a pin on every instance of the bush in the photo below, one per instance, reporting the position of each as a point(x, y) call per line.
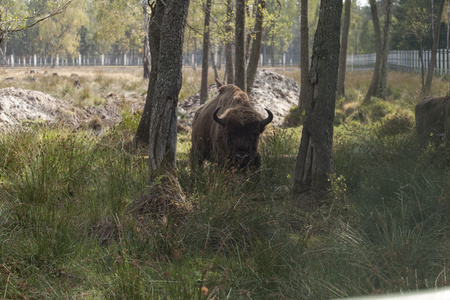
point(401, 121)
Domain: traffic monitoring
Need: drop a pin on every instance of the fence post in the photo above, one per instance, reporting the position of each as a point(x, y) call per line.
point(12, 61)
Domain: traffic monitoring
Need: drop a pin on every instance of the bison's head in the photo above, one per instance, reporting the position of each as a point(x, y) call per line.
point(242, 128)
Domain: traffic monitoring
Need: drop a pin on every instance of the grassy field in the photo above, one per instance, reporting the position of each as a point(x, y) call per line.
point(67, 231)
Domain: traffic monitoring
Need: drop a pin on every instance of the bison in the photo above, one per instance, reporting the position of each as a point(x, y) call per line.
point(231, 139)
point(432, 119)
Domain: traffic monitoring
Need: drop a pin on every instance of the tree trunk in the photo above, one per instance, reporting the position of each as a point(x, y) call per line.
point(146, 55)
point(240, 64)
point(382, 83)
point(163, 121)
point(378, 48)
point(165, 194)
point(422, 67)
point(229, 68)
point(204, 83)
point(213, 61)
point(437, 28)
point(142, 133)
point(343, 54)
point(314, 161)
point(448, 25)
point(256, 46)
point(304, 54)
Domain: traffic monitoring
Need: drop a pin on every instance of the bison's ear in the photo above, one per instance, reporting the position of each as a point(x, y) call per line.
point(217, 119)
point(267, 120)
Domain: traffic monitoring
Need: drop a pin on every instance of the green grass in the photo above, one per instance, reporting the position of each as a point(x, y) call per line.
point(67, 231)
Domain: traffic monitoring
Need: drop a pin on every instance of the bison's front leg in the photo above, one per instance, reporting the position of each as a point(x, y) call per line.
point(196, 159)
point(256, 162)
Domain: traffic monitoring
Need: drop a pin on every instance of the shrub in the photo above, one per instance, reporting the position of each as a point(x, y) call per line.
point(401, 121)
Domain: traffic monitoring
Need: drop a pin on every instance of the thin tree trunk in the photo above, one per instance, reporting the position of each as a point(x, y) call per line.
point(432, 64)
point(146, 55)
point(422, 67)
point(142, 136)
point(229, 67)
point(448, 25)
point(314, 161)
point(213, 61)
point(304, 54)
point(378, 48)
point(204, 83)
point(382, 83)
point(256, 46)
point(343, 54)
point(240, 47)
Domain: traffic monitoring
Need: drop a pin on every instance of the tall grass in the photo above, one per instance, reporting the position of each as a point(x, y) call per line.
point(67, 231)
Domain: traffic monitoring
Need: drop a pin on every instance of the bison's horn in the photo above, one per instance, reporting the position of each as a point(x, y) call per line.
point(269, 119)
point(217, 119)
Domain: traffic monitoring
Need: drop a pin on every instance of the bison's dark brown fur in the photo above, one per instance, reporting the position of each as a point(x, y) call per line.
point(432, 119)
point(232, 138)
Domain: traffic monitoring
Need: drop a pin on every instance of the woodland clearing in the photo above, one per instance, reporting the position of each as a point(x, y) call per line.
point(66, 194)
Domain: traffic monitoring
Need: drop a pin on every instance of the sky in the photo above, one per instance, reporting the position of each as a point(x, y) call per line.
point(363, 2)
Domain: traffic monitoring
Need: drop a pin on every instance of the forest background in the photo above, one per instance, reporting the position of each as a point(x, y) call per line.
point(114, 28)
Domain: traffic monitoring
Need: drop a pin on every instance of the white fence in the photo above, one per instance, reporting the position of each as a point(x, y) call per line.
point(100, 60)
point(404, 60)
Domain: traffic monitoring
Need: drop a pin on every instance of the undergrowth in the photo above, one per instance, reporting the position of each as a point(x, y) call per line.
point(66, 230)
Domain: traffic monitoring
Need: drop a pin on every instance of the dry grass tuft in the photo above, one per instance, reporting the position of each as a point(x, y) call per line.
point(163, 198)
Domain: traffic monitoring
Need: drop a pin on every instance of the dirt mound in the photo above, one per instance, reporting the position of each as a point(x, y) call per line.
point(20, 107)
point(270, 90)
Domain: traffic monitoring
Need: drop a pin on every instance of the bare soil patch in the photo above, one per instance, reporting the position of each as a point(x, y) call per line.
point(20, 107)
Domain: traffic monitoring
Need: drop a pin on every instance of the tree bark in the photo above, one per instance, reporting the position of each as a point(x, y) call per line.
point(378, 48)
point(343, 54)
point(304, 54)
point(229, 67)
point(255, 54)
point(146, 55)
point(163, 121)
point(432, 64)
point(314, 161)
point(205, 58)
point(142, 136)
point(240, 47)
